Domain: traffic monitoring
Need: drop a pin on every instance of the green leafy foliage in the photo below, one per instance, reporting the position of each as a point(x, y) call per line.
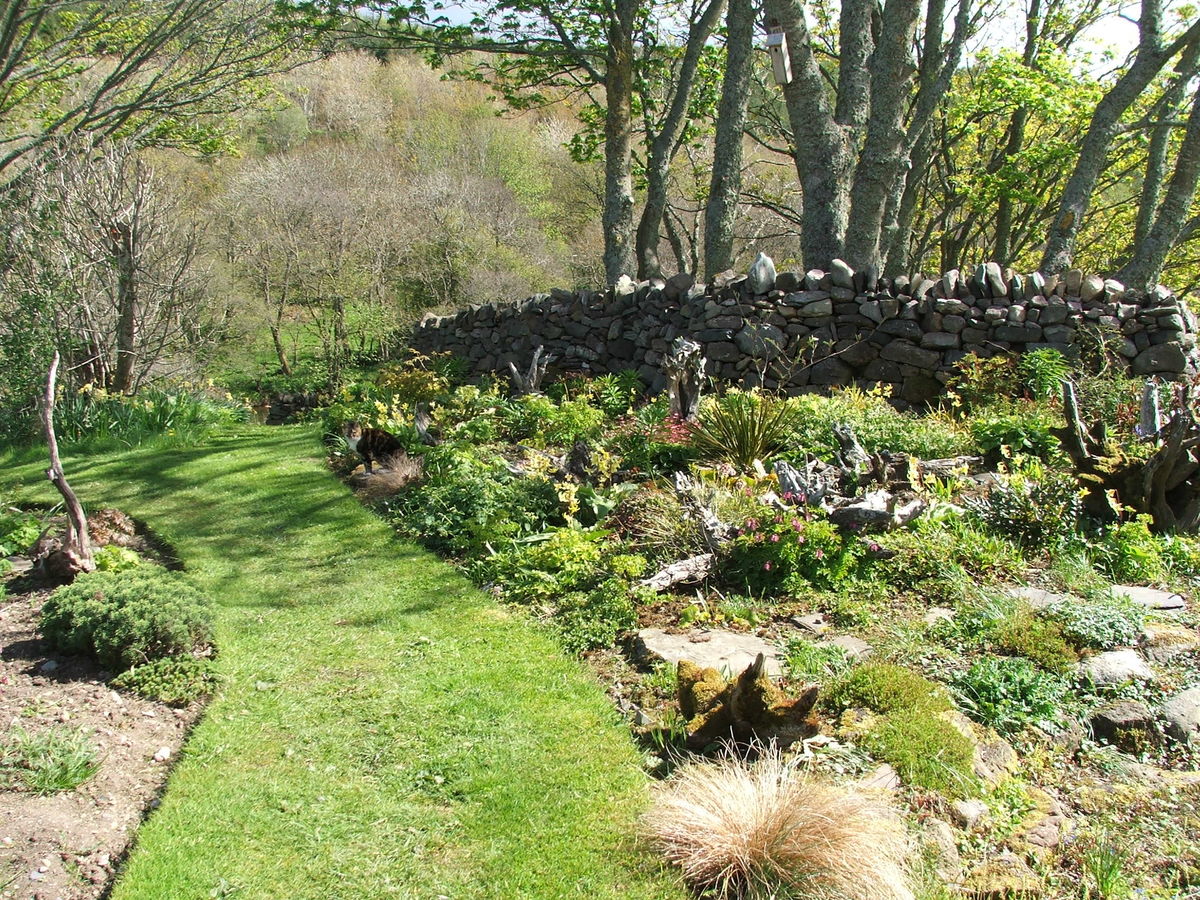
point(1010, 627)
point(469, 500)
point(877, 425)
point(574, 576)
point(778, 552)
point(1128, 552)
point(537, 418)
point(1008, 692)
point(1043, 371)
point(18, 530)
point(1103, 622)
point(128, 618)
point(1022, 430)
point(174, 680)
point(650, 441)
point(180, 415)
point(47, 762)
point(113, 558)
point(1037, 510)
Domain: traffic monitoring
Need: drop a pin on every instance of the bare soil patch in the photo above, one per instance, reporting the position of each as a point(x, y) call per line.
point(66, 846)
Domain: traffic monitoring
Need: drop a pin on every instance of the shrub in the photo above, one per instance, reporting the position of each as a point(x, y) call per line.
point(1039, 510)
point(1128, 552)
point(743, 426)
point(1026, 430)
point(1012, 628)
point(654, 521)
point(1100, 623)
point(572, 576)
point(47, 762)
point(470, 500)
point(175, 680)
point(764, 830)
point(538, 418)
point(1008, 693)
point(877, 425)
point(781, 552)
point(978, 382)
point(416, 380)
point(181, 414)
point(651, 441)
point(128, 618)
point(586, 620)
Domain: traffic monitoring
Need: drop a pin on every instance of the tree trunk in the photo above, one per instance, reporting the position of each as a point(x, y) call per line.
point(77, 552)
point(1141, 273)
point(1150, 57)
point(618, 144)
point(884, 152)
point(726, 184)
point(666, 142)
point(124, 247)
point(822, 147)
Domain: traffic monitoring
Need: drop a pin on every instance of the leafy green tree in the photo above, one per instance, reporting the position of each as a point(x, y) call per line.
point(165, 70)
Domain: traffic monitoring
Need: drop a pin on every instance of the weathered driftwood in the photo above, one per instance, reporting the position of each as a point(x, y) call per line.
point(811, 486)
point(689, 571)
point(715, 531)
point(877, 511)
point(1166, 485)
point(850, 454)
point(75, 555)
point(749, 708)
point(531, 381)
point(421, 422)
point(684, 368)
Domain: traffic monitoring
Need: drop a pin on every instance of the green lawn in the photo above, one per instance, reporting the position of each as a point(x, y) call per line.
point(383, 729)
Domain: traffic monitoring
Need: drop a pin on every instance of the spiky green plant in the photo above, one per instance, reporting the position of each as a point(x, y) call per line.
point(742, 427)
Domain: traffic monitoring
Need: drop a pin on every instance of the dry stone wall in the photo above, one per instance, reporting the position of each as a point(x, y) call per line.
point(807, 331)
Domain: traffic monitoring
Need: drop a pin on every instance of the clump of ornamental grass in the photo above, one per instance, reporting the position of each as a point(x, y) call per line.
point(752, 831)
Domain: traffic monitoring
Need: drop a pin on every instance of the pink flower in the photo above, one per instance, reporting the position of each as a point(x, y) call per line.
point(774, 539)
point(797, 524)
point(800, 539)
point(819, 554)
point(767, 567)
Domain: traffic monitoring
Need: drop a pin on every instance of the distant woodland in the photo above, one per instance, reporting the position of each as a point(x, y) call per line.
point(196, 187)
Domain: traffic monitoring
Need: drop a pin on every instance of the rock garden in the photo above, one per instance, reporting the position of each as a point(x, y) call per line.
point(981, 616)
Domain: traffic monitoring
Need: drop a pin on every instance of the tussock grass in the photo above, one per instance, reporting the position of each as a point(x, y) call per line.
point(394, 473)
point(763, 830)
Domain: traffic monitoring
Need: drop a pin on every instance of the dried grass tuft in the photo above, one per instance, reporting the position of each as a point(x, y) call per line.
point(391, 475)
point(763, 830)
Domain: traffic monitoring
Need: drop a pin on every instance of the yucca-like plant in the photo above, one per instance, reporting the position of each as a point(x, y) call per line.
point(741, 427)
point(753, 831)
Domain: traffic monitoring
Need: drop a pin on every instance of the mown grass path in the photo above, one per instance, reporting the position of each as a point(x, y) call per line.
point(383, 729)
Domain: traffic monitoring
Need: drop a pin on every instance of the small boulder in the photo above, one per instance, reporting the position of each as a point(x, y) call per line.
point(1115, 667)
point(1182, 715)
point(968, 813)
point(1163, 641)
point(1127, 724)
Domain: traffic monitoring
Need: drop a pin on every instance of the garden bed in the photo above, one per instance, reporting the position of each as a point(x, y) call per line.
point(973, 658)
